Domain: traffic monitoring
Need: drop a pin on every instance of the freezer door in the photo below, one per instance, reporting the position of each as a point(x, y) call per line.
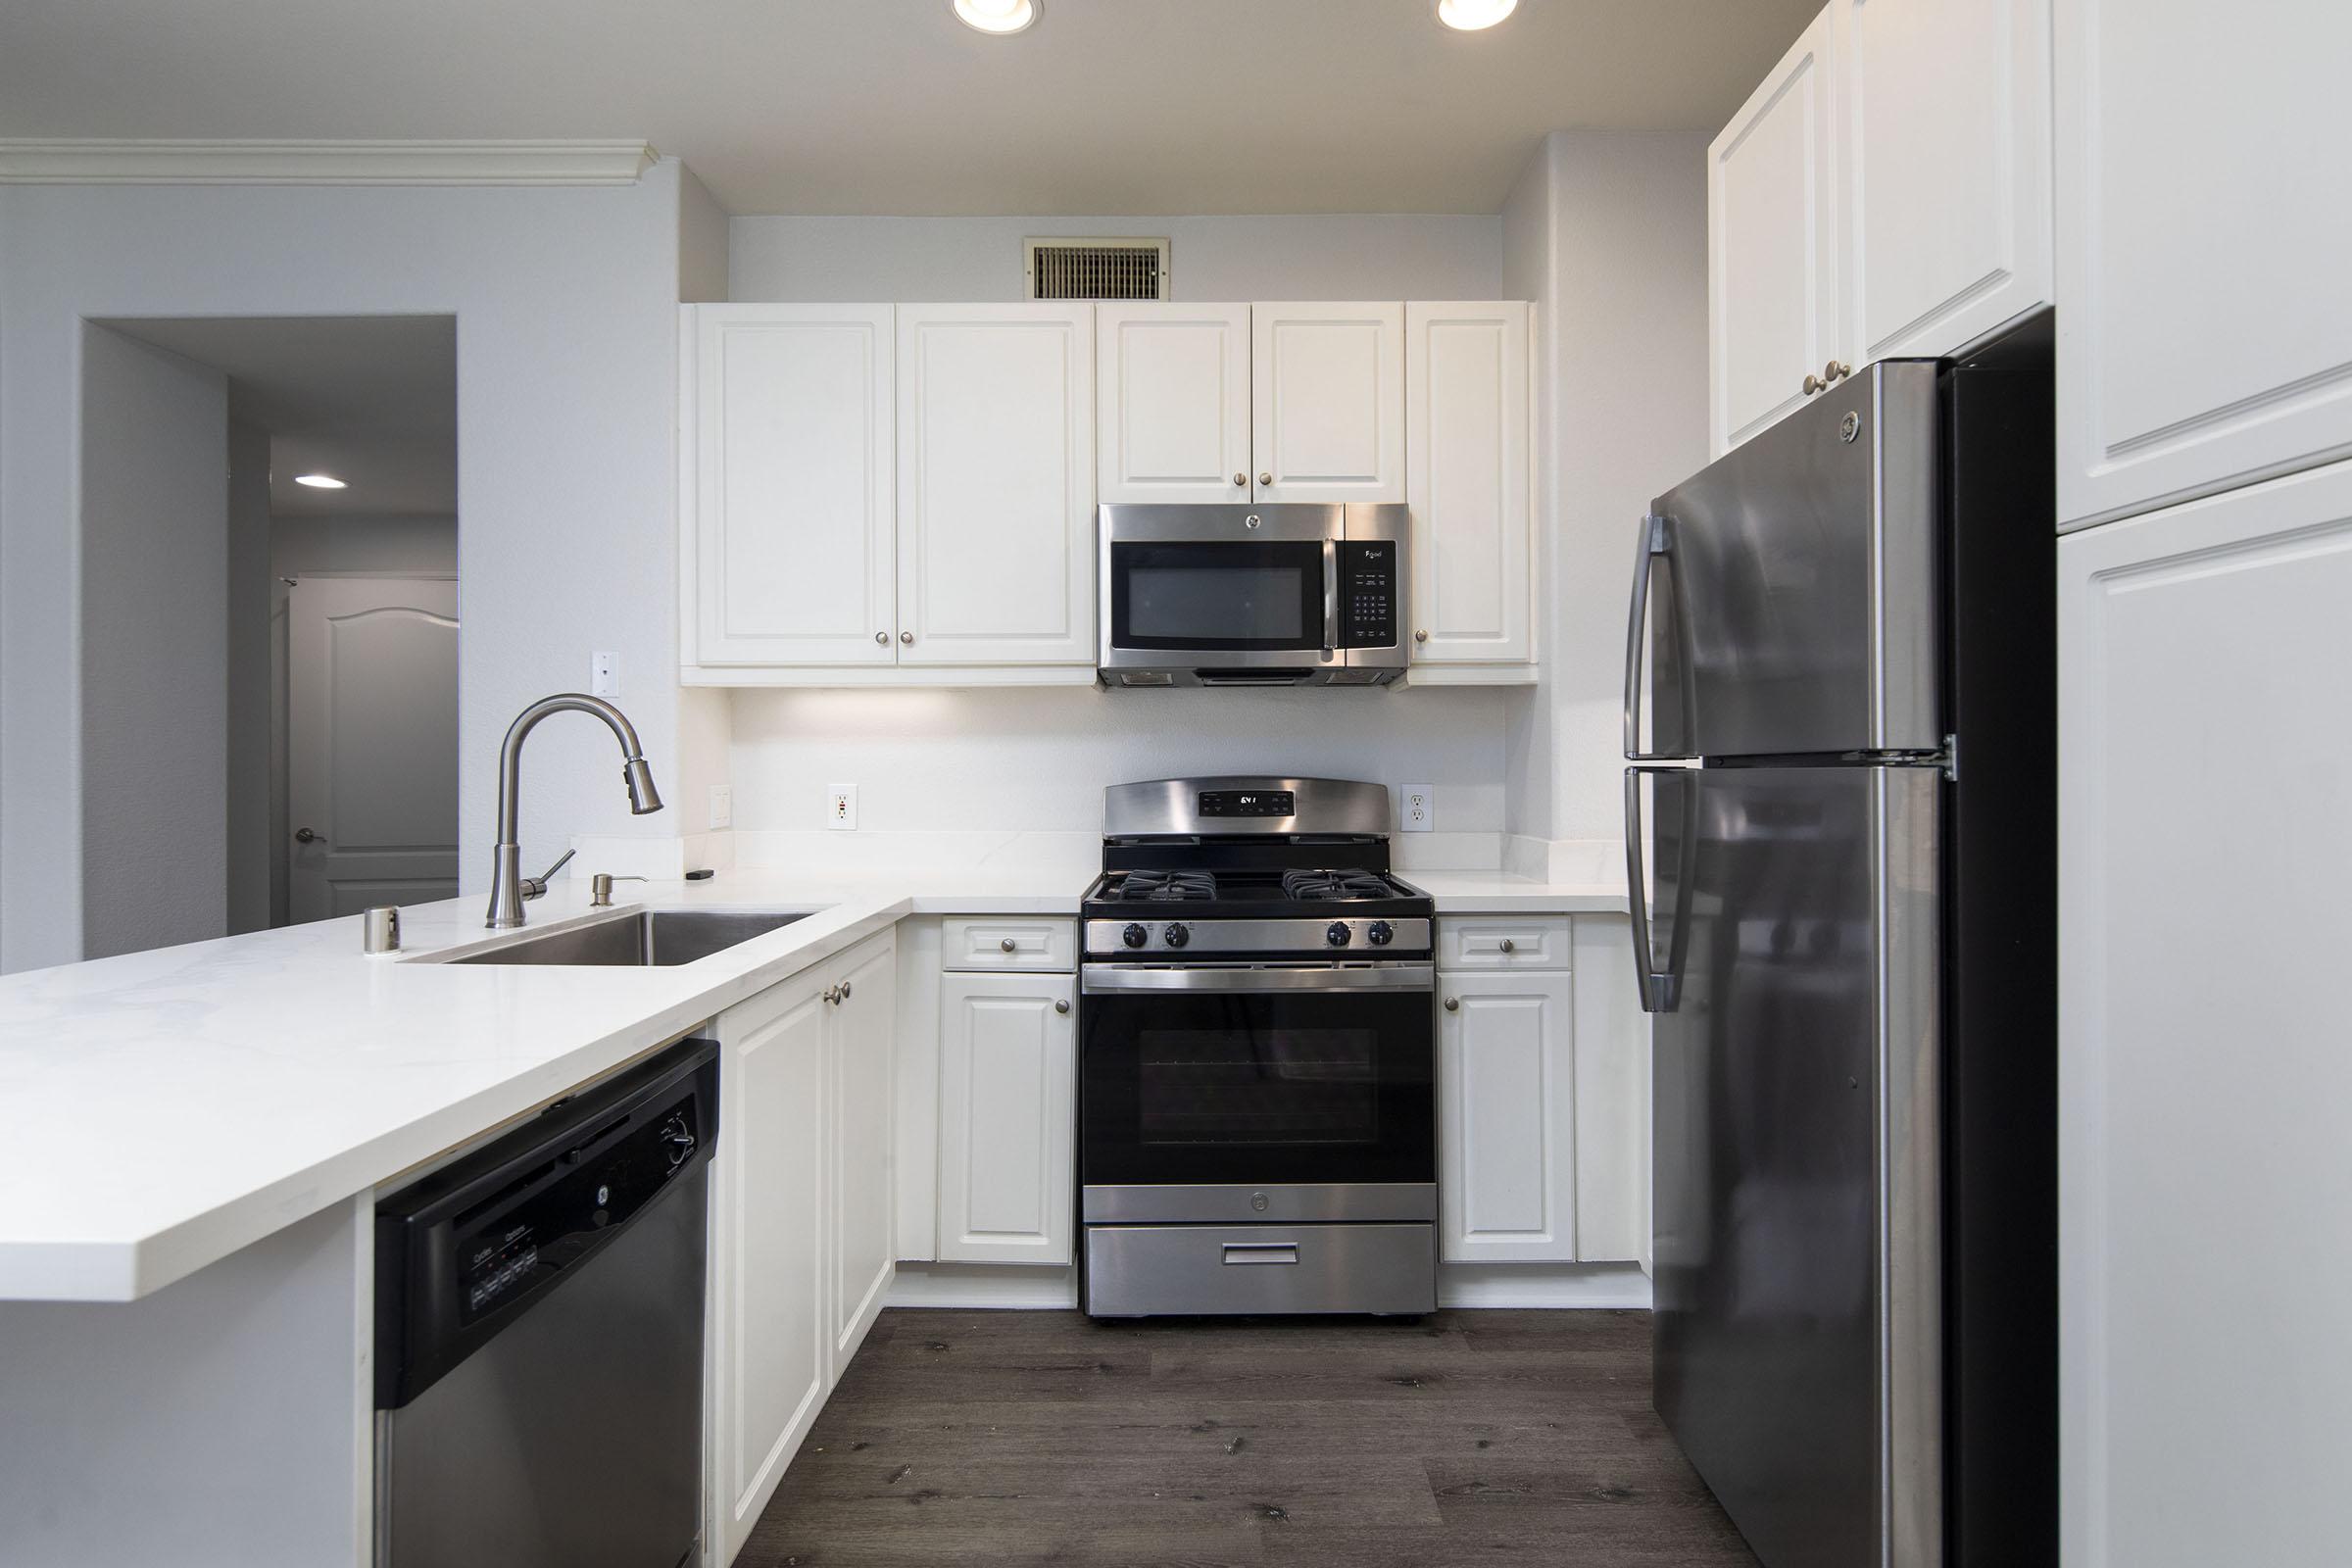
point(1787, 594)
point(1796, 1246)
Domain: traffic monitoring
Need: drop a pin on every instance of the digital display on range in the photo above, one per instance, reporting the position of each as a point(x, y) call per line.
point(1249, 803)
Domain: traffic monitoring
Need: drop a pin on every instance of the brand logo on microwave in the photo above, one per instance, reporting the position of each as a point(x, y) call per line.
point(1373, 554)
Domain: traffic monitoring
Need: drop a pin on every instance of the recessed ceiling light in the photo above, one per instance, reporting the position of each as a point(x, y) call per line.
point(1471, 15)
point(319, 482)
point(996, 16)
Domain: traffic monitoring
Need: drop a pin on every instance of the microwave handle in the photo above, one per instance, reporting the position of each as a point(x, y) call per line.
point(1330, 597)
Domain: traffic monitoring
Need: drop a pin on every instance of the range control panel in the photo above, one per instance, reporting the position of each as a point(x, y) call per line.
point(1367, 593)
point(1249, 803)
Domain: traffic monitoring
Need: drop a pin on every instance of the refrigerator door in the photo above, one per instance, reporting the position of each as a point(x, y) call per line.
point(1795, 608)
point(1795, 1093)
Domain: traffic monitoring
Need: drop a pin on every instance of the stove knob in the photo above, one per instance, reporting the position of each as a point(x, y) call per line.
point(1176, 935)
point(1135, 936)
point(1337, 934)
point(1380, 932)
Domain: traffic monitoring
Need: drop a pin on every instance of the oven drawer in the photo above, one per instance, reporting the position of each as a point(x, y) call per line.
point(1014, 943)
point(1503, 942)
point(1136, 1270)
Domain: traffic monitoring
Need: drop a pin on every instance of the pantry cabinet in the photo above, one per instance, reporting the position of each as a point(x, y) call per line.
point(1327, 400)
point(1884, 192)
point(800, 1206)
point(1173, 417)
point(1008, 1088)
point(1469, 480)
point(2205, 339)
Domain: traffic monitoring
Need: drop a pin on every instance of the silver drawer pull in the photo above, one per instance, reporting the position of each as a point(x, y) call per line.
point(1008, 944)
point(1508, 946)
point(1261, 1251)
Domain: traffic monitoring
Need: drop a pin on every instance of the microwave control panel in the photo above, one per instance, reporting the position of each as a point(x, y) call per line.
point(1368, 593)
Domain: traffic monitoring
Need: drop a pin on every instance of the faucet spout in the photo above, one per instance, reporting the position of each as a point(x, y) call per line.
point(507, 889)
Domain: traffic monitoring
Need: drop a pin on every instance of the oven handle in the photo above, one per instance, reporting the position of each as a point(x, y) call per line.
point(1101, 977)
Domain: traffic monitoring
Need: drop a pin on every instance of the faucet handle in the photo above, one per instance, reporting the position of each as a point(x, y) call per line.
point(534, 885)
point(599, 888)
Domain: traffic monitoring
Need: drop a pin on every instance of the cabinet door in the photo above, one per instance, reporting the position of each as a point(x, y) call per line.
point(1327, 402)
point(1007, 1096)
point(790, 554)
point(995, 484)
point(1943, 161)
point(1172, 411)
point(1506, 1133)
point(1771, 244)
point(1466, 431)
point(2205, 340)
point(769, 1357)
point(861, 1051)
point(2205, 824)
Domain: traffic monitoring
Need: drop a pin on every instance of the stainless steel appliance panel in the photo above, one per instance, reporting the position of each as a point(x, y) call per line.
point(1244, 805)
point(1275, 1202)
point(1785, 595)
point(1139, 1270)
point(1795, 1128)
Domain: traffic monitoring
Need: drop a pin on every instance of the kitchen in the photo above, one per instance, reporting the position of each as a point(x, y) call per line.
point(858, 520)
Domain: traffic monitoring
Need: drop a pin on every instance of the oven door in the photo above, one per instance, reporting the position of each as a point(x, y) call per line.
point(1245, 1093)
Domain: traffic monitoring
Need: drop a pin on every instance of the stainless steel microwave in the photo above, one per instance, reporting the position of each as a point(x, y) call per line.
point(1278, 595)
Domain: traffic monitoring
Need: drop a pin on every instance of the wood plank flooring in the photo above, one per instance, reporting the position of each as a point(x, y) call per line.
point(1495, 1438)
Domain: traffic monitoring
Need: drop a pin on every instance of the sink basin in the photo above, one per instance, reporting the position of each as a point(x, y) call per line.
point(653, 937)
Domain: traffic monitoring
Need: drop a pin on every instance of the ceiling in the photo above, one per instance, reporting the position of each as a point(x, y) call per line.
point(372, 399)
point(1106, 107)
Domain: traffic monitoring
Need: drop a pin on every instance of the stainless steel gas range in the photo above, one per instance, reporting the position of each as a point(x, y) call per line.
point(1258, 1127)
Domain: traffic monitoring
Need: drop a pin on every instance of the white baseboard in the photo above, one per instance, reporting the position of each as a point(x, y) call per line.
point(1021, 1288)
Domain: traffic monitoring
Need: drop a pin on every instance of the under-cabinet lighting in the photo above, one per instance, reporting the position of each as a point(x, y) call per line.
point(1469, 16)
point(996, 16)
point(320, 481)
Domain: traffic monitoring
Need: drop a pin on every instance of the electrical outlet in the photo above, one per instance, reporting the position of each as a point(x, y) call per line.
point(841, 806)
point(722, 806)
point(1416, 807)
point(604, 674)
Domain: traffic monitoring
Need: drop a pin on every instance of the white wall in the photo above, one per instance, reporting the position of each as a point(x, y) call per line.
point(424, 545)
point(565, 302)
point(154, 709)
point(1310, 257)
point(253, 843)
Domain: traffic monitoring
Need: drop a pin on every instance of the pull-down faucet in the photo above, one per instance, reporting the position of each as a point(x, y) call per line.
point(509, 887)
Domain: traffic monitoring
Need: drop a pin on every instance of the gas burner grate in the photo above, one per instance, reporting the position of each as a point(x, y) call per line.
point(1167, 887)
point(1316, 887)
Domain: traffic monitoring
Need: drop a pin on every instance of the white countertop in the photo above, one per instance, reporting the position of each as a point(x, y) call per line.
point(166, 1109)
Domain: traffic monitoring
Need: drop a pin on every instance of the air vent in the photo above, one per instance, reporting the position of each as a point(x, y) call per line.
point(1097, 268)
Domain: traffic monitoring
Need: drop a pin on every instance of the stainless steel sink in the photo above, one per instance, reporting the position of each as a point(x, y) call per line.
point(652, 937)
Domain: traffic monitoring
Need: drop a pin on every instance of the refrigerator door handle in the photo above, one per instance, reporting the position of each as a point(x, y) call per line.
point(1656, 543)
point(1660, 988)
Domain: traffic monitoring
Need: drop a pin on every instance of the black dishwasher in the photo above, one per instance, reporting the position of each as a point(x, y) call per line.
point(539, 1336)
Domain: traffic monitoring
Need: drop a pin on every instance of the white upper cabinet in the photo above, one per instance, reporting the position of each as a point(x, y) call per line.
point(1944, 108)
point(1772, 243)
point(995, 484)
point(789, 554)
point(1327, 402)
point(1468, 479)
point(1173, 421)
point(2205, 335)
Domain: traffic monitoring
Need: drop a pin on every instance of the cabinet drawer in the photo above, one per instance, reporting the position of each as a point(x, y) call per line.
point(1013, 944)
point(1503, 942)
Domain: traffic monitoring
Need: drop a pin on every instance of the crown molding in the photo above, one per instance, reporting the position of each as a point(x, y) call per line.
point(53, 160)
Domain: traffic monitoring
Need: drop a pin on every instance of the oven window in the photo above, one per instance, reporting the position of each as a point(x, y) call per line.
point(1290, 1086)
point(1217, 596)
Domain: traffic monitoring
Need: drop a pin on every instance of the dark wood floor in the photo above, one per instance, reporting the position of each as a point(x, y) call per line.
point(1497, 1438)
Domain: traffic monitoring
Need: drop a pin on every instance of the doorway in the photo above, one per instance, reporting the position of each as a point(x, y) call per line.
point(316, 615)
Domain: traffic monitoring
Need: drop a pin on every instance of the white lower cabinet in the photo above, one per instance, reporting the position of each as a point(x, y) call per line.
point(1008, 1087)
point(799, 1219)
point(1506, 1122)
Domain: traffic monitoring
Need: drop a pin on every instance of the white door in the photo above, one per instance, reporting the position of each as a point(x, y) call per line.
point(769, 1354)
point(1772, 243)
point(861, 1049)
point(1467, 477)
point(1172, 418)
point(2204, 334)
point(1506, 1136)
point(1944, 162)
point(791, 553)
point(372, 742)
point(2205, 1063)
point(995, 484)
point(1327, 402)
point(1008, 1097)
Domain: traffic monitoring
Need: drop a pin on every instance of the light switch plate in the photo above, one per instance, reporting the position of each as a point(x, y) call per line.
point(841, 806)
point(604, 674)
point(1416, 807)
point(722, 806)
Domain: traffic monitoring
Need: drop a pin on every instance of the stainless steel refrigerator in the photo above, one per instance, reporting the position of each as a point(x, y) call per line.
point(1839, 704)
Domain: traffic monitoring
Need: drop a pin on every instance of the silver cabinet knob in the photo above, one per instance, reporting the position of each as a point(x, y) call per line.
point(845, 991)
point(1454, 1003)
point(882, 637)
point(833, 995)
point(1008, 944)
point(1240, 478)
point(1062, 1006)
point(1833, 371)
point(1266, 477)
point(907, 637)
point(1508, 946)
point(1813, 383)
point(302, 835)
point(1420, 636)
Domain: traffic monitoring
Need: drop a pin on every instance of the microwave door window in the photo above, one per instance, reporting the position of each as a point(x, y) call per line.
point(1223, 596)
